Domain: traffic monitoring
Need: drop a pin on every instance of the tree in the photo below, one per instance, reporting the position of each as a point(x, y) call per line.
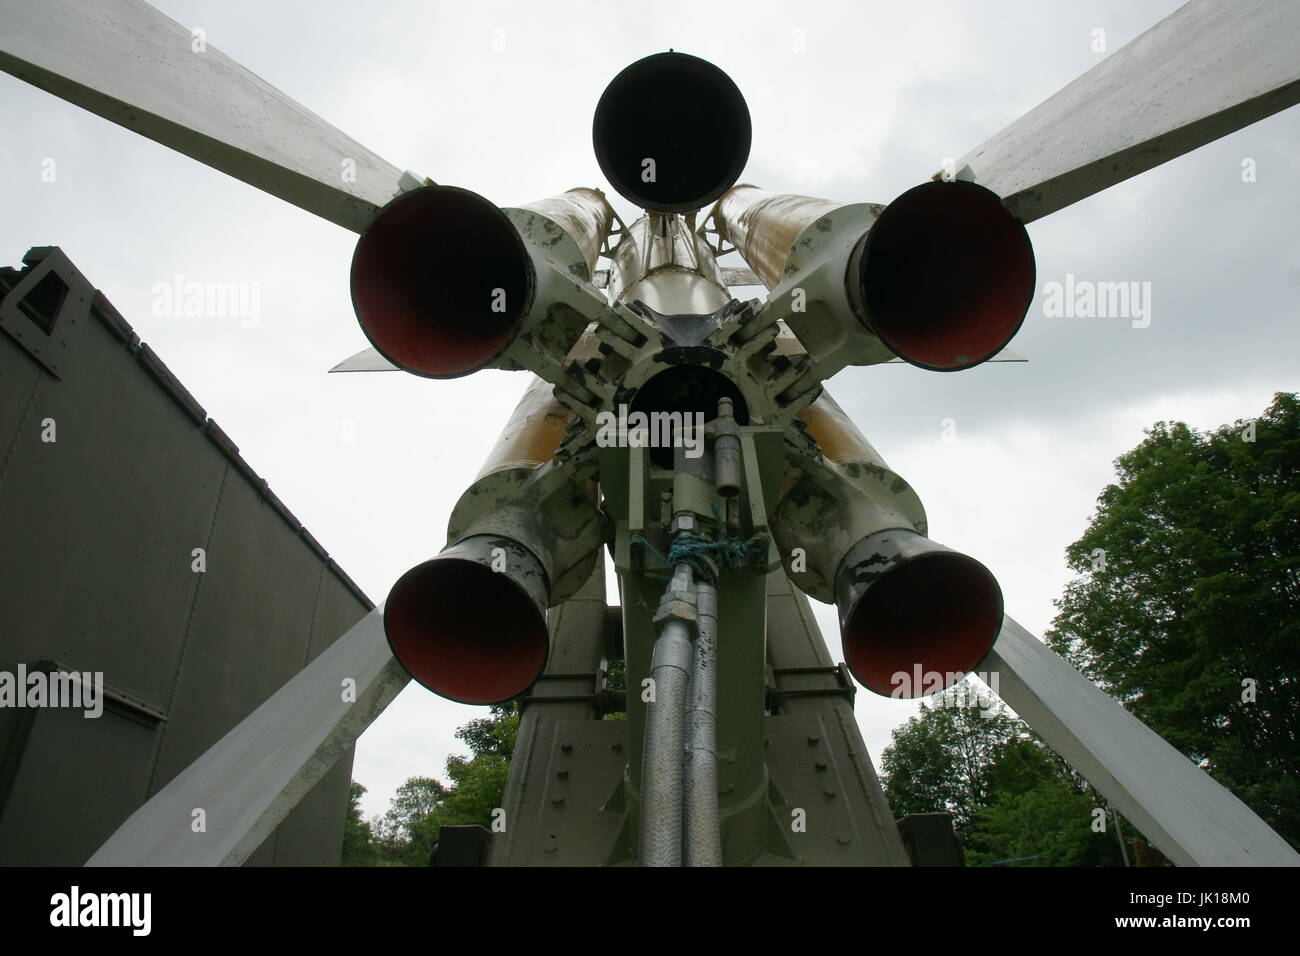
point(479, 781)
point(1187, 608)
point(422, 805)
point(359, 847)
point(408, 831)
point(1009, 795)
point(1039, 807)
point(938, 762)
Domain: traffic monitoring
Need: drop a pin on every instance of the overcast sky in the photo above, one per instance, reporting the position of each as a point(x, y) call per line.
point(854, 101)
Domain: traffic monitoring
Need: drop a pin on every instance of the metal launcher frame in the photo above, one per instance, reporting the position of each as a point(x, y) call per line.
point(690, 435)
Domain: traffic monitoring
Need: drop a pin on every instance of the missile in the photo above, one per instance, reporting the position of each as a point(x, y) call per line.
point(942, 277)
point(671, 133)
point(444, 283)
point(853, 532)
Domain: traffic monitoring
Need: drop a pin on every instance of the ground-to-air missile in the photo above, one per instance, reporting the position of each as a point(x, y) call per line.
point(445, 283)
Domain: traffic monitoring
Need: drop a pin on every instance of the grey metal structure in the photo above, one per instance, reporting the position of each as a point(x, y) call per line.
point(100, 526)
point(690, 435)
point(298, 736)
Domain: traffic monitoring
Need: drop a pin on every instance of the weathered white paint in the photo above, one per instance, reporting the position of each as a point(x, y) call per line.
point(135, 67)
point(1207, 70)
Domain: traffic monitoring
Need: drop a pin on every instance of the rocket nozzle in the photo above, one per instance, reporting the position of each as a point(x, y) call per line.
point(945, 275)
point(470, 623)
point(441, 281)
point(671, 133)
point(915, 617)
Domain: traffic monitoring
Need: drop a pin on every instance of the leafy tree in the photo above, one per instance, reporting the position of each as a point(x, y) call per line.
point(359, 846)
point(1009, 795)
point(408, 832)
point(938, 762)
point(1039, 807)
point(1187, 608)
point(479, 781)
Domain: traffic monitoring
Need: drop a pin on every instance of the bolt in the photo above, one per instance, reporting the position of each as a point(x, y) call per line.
point(558, 799)
point(820, 764)
point(813, 740)
point(563, 774)
point(566, 746)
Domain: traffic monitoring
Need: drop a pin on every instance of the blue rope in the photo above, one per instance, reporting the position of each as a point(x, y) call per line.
point(725, 554)
point(708, 557)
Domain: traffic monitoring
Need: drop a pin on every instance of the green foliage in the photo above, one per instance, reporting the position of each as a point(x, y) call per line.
point(407, 833)
point(616, 679)
point(359, 847)
point(1189, 594)
point(939, 761)
point(1008, 794)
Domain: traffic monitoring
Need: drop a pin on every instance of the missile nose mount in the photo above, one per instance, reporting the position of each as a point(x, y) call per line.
point(688, 432)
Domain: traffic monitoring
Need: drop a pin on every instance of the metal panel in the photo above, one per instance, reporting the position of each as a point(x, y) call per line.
point(79, 775)
point(248, 632)
point(98, 574)
point(258, 772)
point(20, 382)
point(831, 777)
point(128, 616)
point(561, 714)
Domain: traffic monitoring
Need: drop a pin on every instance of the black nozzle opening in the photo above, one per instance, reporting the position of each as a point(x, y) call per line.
point(671, 133)
point(946, 275)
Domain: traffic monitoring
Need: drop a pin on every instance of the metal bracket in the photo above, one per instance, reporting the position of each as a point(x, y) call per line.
point(46, 305)
point(845, 687)
point(602, 698)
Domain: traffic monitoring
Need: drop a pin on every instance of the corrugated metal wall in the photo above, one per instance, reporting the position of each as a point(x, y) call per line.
point(97, 531)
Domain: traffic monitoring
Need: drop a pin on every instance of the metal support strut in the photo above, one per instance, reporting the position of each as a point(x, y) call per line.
point(703, 825)
point(680, 819)
point(665, 728)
